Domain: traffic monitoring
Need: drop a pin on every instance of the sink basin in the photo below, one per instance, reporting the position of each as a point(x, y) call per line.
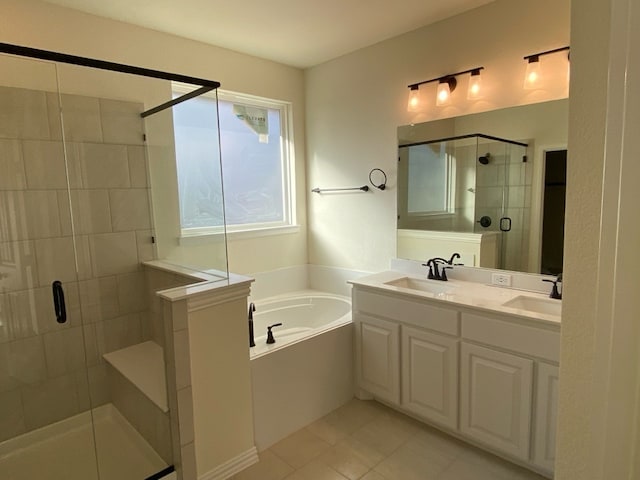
point(546, 306)
point(429, 286)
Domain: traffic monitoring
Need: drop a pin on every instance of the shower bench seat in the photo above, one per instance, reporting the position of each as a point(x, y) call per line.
point(143, 365)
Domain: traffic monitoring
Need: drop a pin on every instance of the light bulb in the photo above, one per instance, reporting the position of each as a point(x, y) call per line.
point(413, 105)
point(475, 83)
point(533, 74)
point(443, 94)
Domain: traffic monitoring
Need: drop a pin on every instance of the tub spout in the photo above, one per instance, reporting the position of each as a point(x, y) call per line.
point(252, 341)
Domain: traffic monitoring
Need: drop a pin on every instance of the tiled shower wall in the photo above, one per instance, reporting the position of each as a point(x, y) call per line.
point(42, 363)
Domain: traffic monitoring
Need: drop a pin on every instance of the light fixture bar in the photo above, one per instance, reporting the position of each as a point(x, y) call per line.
point(414, 86)
point(555, 50)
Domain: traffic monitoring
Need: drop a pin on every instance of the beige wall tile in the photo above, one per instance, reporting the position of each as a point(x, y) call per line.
point(99, 299)
point(23, 362)
point(53, 114)
point(138, 166)
point(42, 217)
point(132, 292)
point(50, 401)
point(30, 214)
point(11, 165)
point(104, 166)
point(32, 311)
point(44, 164)
point(98, 385)
point(117, 333)
point(146, 249)
point(185, 415)
point(19, 271)
point(114, 253)
point(24, 114)
point(64, 351)
point(56, 260)
point(91, 212)
point(11, 415)
point(188, 461)
point(130, 209)
point(5, 317)
point(81, 117)
point(121, 122)
point(182, 357)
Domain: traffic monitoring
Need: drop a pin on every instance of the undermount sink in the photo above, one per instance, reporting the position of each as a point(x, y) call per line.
point(546, 306)
point(430, 286)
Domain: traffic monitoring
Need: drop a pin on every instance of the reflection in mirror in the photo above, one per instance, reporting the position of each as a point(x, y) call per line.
point(479, 184)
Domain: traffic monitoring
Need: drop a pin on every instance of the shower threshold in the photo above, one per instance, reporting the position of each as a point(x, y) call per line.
point(65, 450)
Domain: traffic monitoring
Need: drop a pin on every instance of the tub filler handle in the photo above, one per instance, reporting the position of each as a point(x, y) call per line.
point(252, 308)
point(270, 338)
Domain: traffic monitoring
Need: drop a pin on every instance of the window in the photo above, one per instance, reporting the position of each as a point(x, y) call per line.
point(256, 150)
point(431, 176)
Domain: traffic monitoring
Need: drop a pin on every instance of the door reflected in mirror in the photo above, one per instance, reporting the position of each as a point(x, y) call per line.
point(487, 185)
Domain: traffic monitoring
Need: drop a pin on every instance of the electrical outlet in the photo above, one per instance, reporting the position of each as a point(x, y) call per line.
point(501, 279)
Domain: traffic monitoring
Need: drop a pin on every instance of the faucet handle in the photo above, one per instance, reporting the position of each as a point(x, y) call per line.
point(270, 338)
point(430, 275)
point(554, 290)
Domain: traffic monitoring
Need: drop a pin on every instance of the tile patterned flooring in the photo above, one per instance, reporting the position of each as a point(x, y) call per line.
point(368, 441)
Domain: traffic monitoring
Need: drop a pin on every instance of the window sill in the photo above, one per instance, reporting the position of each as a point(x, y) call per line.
point(207, 238)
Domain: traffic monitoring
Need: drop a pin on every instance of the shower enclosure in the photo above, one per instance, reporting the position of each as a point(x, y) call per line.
point(469, 184)
point(88, 193)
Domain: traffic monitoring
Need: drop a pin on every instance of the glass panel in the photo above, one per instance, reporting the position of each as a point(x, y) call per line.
point(45, 417)
point(196, 120)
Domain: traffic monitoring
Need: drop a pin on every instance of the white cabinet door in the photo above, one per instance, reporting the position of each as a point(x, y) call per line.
point(378, 357)
point(495, 404)
point(546, 416)
point(430, 376)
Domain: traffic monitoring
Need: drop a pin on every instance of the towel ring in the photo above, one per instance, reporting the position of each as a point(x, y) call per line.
point(382, 185)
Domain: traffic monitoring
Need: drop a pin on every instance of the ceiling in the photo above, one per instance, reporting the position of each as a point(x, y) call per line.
point(299, 33)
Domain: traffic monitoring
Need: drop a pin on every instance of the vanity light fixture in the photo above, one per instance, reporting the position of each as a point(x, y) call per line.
point(446, 85)
point(414, 99)
point(474, 90)
point(533, 75)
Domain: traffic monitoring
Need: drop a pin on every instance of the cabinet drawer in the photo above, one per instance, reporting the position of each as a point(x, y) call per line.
point(537, 342)
point(444, 320)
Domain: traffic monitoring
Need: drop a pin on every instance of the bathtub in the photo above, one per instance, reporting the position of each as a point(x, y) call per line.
point(302, 314)
point(308, 372)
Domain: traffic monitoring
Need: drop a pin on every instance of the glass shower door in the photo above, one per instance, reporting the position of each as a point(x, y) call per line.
point(46, 427)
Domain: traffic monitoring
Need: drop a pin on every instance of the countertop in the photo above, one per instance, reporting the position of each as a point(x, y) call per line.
point(462, 294)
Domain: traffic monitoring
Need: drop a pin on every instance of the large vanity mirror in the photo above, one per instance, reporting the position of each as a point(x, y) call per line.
point(490, 186)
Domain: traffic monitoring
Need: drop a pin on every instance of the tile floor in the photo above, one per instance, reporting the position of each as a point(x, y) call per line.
point(368, 441)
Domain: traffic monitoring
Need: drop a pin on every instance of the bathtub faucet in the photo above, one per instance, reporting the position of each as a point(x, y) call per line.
point(252, 341)
point(270, 338)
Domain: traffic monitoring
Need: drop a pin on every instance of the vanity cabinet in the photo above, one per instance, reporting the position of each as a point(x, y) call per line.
point(430, 376)
point(378, 351)
point(495, 402)
point(546, 416)
point(488, 377)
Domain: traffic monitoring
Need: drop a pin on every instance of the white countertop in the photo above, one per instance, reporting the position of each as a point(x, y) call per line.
point(463, 294)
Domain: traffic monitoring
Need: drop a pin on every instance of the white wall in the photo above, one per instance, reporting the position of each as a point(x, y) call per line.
point(356, 102)
point(40, 25)
point(599, 402)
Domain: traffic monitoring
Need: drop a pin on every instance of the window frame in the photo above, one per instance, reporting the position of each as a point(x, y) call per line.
point(450, 192)
point(200, 235)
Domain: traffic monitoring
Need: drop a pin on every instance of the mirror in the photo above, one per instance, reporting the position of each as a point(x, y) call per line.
point(488, 185)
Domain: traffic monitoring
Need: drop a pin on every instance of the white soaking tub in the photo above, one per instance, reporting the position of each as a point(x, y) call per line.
point(308, 372)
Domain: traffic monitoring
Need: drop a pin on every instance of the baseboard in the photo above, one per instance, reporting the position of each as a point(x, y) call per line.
point(233, 466)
